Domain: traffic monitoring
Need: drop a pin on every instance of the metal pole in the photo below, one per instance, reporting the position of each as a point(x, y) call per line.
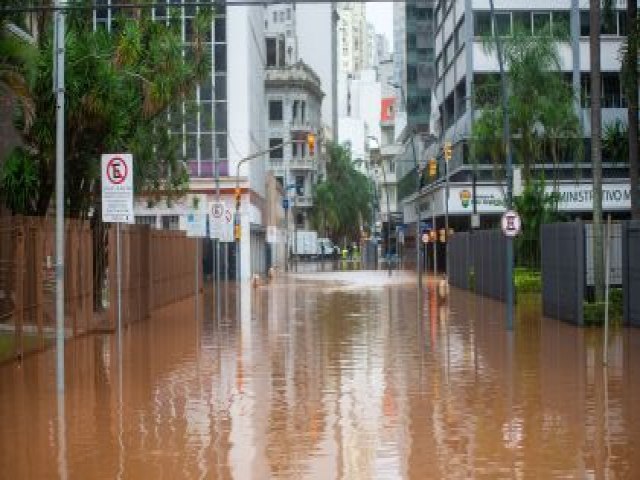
point(119, 280)
point(418, 256)
point(217, 241)
point(286, 219)
point(509, 169)
point(435, 240)
point(386, 187)
point(605, 358)
point(59, 53)
point(197, 282)
point(446, 217)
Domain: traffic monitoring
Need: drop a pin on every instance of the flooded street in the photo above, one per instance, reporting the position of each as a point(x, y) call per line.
point(330, 375)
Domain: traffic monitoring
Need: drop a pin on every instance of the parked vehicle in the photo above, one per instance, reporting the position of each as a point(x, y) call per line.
point(304, 243)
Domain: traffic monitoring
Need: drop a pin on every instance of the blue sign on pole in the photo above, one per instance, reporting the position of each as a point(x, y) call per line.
point(285, 203)
point(425, 226)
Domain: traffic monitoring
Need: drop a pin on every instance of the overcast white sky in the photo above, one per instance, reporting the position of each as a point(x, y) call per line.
point(381, 16)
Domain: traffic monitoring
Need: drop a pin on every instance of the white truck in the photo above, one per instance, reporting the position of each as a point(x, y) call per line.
point(304, 243)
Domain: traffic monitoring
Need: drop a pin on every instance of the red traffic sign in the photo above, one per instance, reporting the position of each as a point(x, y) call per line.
point(511, 223)
point(117, 170)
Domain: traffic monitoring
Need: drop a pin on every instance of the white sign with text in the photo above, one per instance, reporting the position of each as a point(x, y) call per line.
point(117, 188)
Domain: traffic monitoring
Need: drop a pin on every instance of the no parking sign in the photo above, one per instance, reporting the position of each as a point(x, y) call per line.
point(117, 188)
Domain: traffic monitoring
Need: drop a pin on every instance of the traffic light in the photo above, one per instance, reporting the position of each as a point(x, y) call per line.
point(447, 151)
point(311, 144)
point(238, 198)
point(433, 167)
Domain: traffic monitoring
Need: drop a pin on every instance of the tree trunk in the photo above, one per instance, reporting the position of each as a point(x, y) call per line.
point(632, 111)
point(596, 147)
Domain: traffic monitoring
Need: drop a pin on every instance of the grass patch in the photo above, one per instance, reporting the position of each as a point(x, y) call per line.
point(594, 311)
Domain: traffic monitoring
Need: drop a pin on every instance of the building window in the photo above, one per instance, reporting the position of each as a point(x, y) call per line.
point(611, 91)
point(541, 23)
point(584, 24)
point(294, 149)
point(294, 112)
point(482, 24)
point(272, 54)
point(300, 220)
point(288, 14)
point(503, 24)
point(275, 17)
point(299, 185)
point(561, 22)
point(303, 111)
point(276, 153)
point(522, 22)
point(275, 110)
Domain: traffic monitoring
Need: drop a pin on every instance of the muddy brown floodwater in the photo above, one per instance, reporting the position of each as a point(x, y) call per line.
point(330, 375)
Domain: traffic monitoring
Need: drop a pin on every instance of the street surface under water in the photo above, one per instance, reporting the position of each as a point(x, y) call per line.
point(330, 375)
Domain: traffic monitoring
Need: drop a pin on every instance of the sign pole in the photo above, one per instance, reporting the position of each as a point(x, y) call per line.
point(119, 280)
point(217, 241)
point(59, 52)
point(509, 168)
point(197, 289)
point(435, 240)
point(605, 351)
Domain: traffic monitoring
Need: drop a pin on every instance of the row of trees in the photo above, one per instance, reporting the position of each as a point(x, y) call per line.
point(119, 87)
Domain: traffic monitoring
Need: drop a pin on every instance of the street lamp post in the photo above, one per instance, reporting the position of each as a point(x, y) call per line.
point(415, 160)
point(386, 186)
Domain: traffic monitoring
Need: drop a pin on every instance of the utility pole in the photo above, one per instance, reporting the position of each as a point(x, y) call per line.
point(59, 54)
point(217, 240)
point(509, 168)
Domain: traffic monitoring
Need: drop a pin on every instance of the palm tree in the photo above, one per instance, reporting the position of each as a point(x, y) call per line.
point(596, 146)
point(16, 65)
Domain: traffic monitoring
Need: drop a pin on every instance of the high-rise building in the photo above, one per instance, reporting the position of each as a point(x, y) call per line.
point(354, 40)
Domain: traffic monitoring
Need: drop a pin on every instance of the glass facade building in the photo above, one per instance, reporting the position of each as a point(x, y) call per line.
point(200, 119)
point(419, 56)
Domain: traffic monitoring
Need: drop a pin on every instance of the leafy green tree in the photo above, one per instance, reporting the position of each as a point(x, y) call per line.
point(342, 200)
point(536, 207)
point(119, 88)
point(541, 112)
point(615, 146)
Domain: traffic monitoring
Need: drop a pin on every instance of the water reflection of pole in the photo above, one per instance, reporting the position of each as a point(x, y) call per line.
point(62, 438)
point(120, 407)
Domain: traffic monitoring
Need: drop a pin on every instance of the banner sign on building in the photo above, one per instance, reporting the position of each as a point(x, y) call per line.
point(572, 198)
point(117, 188)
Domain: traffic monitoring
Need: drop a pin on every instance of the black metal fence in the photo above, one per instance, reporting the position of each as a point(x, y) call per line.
point(488, 259)
point(459, 260)
point(563, 271)
point(631, 272)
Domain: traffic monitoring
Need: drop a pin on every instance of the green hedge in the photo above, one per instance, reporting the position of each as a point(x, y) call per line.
point(594, 311)
point(528, 280)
